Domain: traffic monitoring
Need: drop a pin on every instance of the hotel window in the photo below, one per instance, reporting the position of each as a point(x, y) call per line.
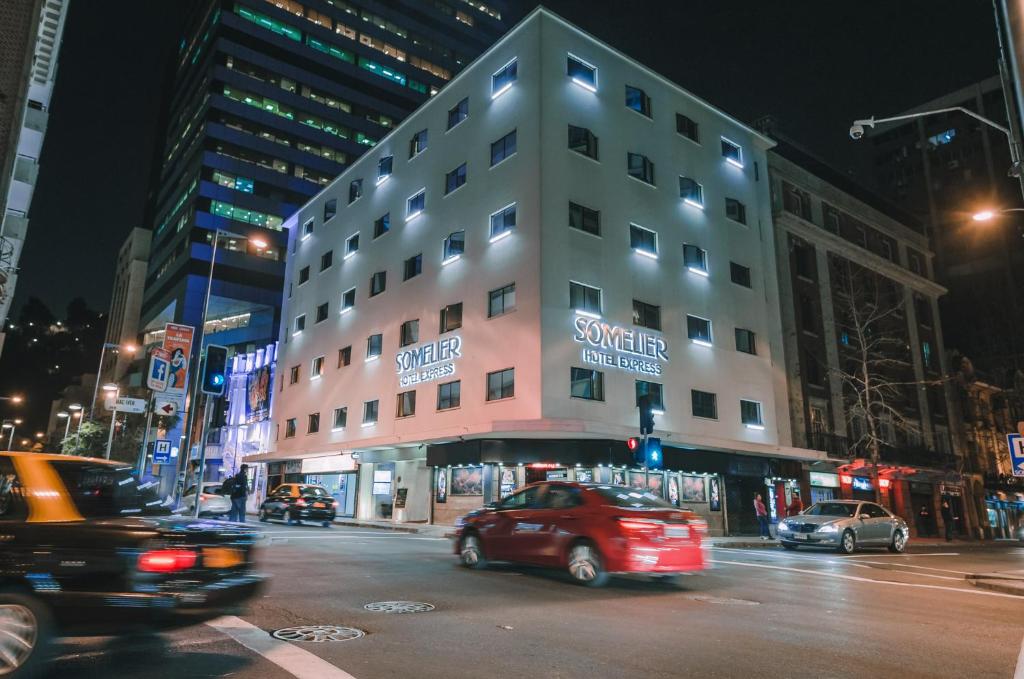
point(455, 179)
point(704, 404)
point(732, 152)
point(289, 428)
point(382, 225)
point(695, 259)
point(348, 300)
point(584, 299)
point(449, 395)
point(406, 404)
point(293, 375)
point(351, 245)
point(698, 330)
point(640, 167)
point(458, 113)
point(330, 208)
point(384, 166)
point(326, 260)
point(586, 384)
point(378, 283)
point(412, 267)
point(501, 384)
point(637, 100)
point(374, 346)
point(583, 141)
point(503, 221)
point(745, 341)
point(654, 390)
point(409, 333)
point(316, 368)
point(415, 205)
point(687, 127)
point(643, 241)
point(418, 143)
point(307, 229)
point(454, 246)
point(370, 409)
point(503, 78)
point(344, 356)
point(501, 301)
point(355, 190)
point(451, 317)
point(584, 219)
point(740, 274)
point(691, 192)
point(646, 315)
point(303, 275)
point(735, 210)
point(300, 323)
point(750, 414)
point(321, 312)
point(340, 418)
point(581, 72)
point(503, 148)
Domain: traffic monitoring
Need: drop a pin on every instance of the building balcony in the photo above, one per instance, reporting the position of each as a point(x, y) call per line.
point(835, 446)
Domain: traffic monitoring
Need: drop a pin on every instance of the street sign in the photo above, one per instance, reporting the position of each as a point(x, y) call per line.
point(125, 404)
point(161, 451)
point(159, 370)
point(165, 407)
point(1016, 444)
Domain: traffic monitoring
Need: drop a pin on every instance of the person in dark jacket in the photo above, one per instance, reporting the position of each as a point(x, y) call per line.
point(238, 491)
point(924, 521)
point(762, 517)
point(948, 518)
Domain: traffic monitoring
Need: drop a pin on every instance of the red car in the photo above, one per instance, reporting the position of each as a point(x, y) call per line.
point(589, 529)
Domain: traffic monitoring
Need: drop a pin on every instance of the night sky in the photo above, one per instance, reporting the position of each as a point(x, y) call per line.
point(814, 65)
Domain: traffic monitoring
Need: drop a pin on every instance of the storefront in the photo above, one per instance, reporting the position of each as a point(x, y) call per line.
point(824, 487)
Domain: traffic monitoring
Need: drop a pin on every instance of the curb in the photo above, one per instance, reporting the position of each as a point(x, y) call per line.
point(359, 524)
point(1001, 586)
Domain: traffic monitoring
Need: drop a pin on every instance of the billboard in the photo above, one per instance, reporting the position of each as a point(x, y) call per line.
point(178, 343)
point(257, 395)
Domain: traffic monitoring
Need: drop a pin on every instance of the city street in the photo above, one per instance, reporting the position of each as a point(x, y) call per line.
point(756, 612)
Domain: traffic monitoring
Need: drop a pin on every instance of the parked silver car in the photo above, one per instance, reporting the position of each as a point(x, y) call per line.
point(844, 525)
point(211, 502)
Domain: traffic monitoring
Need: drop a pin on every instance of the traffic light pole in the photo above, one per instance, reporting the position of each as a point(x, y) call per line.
point(647, 480)
point(145, 435)
point(202, 456)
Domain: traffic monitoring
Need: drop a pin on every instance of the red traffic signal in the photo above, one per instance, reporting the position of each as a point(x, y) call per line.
point(633, 443)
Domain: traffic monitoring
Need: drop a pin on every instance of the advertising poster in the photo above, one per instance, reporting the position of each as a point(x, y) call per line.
point(441, 492)
point(618, 478)
point(467, 481)
point(715, 499)
point(693, 489)
point(257, 395)
point(508, 481)
point(585, 475)
point(178, 343)
point(655, 482)
point(673, 490)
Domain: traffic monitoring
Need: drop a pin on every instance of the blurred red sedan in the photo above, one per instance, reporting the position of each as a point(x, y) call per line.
point(590, 529)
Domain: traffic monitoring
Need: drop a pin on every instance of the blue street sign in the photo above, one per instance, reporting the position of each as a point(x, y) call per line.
point(1016, 444)
point(161, 451)
point(159, 371)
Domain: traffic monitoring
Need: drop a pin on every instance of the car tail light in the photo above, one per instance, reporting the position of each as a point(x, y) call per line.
point(334, 503)
point(300, 502)
point(639, 525)
point(700, 526)
point(166, 560)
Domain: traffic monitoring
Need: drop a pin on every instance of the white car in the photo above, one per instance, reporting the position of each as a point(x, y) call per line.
point(211, 502)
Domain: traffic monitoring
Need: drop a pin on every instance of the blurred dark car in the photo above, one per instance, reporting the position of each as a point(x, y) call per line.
point(591, 530)
point(88, 551)
point(296, 502)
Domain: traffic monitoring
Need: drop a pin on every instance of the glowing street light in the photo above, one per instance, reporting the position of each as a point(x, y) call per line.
point(990, 214)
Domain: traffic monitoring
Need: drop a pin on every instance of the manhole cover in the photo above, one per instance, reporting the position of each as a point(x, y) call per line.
point(725, 601)
point(317, 633)
point(399, 607)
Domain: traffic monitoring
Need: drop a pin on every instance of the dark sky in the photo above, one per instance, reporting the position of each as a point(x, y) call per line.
point(815, 65)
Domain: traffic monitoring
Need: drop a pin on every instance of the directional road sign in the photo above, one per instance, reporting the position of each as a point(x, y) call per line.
point(161, 451)
point(1016, 444)
point(165, 407)
point(126, 405)
point(159, 370)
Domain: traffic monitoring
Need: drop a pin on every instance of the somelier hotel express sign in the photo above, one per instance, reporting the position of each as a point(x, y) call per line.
point(428, 362)
point(629, 349)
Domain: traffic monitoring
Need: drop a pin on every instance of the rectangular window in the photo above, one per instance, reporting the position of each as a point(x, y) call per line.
point(687, 127)
point(307, 229)
point(691, 192)
point(732, 152)
point(348, 300)
point(656, 393)
point(321, 312)
point(410, 333)
point(293, 375)
point(581, 73)
point(458, 113)
point(418, 143)
point(803, 256)
point(584, 299)
point(926, 353)
point(384, 166)
point(330, 208)
point(374, 346)
point(699, 330)
point(740, 274)
point(415, 205)
point(735, 210)
point(351, 245)
point(455, 179)
point(289, 428)
point(378, 283)
point(646, 315)
point(745, 341)
point(316, 368)
point(643, 241)
point(303, 275)
point(340, 418)
point(449, 395)
point(638, 100)
point(640, 167)
point(586, 384)
point(704, 404)
point(584, 219)
point(582, 140)
point(750, 414)
point(503, 148)
point(406, 404)
point(451, 317)
point(502, 222)
point(370, 411)
point(501, 384)
point(453, 248)
point(501, 301)
point(382, 225)
point(355, 190)
point(300, 324)
point(344, 356)
point(326, 260)
point(412, 267)
point(503, 78)
point(695, 259)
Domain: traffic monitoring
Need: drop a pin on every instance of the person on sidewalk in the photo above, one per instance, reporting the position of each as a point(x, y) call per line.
point(949, 519)
point(237, 488)
point(796, 505)
point(924, 521)
point(762, 517)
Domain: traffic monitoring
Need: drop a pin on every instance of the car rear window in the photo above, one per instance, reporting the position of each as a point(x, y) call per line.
point(315, 491)
point(103, 491)
point(621, 496)
point(831, 509)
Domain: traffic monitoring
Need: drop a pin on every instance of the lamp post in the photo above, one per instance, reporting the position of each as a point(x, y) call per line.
point(65, 415)
point(130, 348)
point(12, 425)
point(113, 390)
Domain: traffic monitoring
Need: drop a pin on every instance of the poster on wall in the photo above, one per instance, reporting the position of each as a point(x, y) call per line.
point(655, 482)
point(441, 491)
point(467, 481)
point(715, 496)
point(508, 481)
point(693, 489)
point(257, 395)
point(618, 478)
point(178, 343)
point(585, 475)
point(673, 490)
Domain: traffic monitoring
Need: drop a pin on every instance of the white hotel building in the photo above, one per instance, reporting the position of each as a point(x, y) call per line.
point(477, 302)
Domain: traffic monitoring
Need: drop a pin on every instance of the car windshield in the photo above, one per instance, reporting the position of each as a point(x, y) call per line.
point(212, 488)
point(621, 496)
point(315, 491)
point(103, 490)
point(832, 509)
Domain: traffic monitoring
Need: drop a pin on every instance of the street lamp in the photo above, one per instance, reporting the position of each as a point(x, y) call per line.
point(989, 215)
point(12, 425)
point(130, 348)
point(65, 415)
point(112, 391)
point(16, 400)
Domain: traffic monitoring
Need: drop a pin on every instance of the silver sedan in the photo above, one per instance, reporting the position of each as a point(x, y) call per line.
point(844, 525)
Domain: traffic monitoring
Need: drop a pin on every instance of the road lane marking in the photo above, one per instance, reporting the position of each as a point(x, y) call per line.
point(902, 556)
point(346, 537)
point(1019, 672)
point(295, 660)
point(926, 568)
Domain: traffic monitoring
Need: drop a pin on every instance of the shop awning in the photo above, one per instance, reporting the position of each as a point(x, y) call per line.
point(281, 456)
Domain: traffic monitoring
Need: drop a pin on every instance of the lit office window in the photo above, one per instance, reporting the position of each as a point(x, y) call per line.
point(351, 245)
point(370, 412)
point(503, 78)
point(640, 167)
point(698, 330)
point(503, 148)
point(646, 315)
point(382, 225)
point(418, 143)
point(321, 312)
point(502, 222)
point(458, 113)
point(732, 152)
point(643, 241)
point(330, 208)
point(384, 166)
point(581, 73)
point(750, 414)
point(378, 283)
point(300, 324)
point(409, 333)
point(637, 100)
point(355, 190)
point(316, 368)
point(416, 204)
point(455, 179)
point(695, 259)
point(691, 192)
point(584, 299)
point(340, 418)
point(453, 248)
point(586, 384)
point(412, 267)
point(374, 346)
point(348, 300)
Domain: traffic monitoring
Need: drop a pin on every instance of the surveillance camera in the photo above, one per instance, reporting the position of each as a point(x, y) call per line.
point(1016, 170)
point(856, 131)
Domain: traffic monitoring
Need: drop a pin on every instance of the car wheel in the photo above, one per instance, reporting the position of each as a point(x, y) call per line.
point(471, 552)
point(585, 565)
point(899, 542)
point(264, 517)
point(789, 545)
point(847, 543)
point(325, 524)
point(25, 634)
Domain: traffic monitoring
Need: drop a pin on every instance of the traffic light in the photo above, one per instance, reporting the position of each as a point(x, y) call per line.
point(646, 414)
point(652, 453)
point(215, 368)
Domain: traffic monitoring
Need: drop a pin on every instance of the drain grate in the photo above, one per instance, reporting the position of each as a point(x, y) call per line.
point(399, 607)
point(725, 601)
point(317, 633)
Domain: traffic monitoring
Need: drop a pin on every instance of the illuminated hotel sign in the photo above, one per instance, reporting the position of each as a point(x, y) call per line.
point(428, 362)
point(629, 349)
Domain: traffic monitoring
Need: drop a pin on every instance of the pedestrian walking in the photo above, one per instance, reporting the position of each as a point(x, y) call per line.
point(949, 518)
point(762, 517)
point(924, 521)
point(796, 505)
point(237, 488)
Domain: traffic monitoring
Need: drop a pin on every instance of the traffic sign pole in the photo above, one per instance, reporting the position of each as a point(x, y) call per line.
point(110, 436)
point(145, 436)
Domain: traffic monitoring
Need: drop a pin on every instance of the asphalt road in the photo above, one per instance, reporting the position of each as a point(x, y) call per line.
point(757, 612)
